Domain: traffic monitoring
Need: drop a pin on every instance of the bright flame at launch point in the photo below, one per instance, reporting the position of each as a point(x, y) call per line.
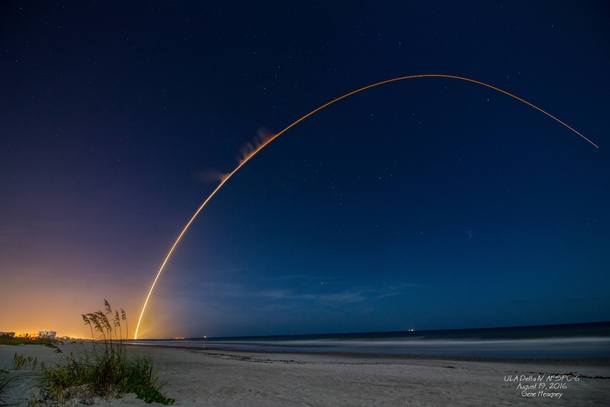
point(250, 152)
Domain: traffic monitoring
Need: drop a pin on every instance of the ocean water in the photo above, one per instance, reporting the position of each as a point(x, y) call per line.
point(590, 340)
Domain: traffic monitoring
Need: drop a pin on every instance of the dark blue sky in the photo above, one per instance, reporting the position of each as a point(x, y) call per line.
point(428, 203)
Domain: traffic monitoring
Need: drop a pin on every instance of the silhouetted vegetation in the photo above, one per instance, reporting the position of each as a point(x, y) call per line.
point(5, 340)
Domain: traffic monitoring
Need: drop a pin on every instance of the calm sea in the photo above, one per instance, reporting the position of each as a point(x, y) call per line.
point(590, 340)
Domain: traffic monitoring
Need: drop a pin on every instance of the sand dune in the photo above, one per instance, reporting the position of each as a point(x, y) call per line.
point(218, 378)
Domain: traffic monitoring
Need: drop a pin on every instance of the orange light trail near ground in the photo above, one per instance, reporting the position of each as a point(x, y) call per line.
point(264, 142)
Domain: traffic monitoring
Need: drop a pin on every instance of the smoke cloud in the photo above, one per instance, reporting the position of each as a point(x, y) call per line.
point(262, 137)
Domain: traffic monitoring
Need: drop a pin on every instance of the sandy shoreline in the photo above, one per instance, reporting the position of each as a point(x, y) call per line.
point(225, 378)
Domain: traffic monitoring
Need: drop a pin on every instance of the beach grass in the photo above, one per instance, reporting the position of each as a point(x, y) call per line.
point(5, 382)
point(21, 362)
point(106, 370)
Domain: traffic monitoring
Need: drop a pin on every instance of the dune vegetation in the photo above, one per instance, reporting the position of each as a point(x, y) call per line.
point(103, 369)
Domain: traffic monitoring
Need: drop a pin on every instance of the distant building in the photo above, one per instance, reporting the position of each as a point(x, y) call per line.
point(47, 334)
point(8, 334)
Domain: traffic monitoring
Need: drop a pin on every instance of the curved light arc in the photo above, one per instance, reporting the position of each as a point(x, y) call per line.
point(265, 142)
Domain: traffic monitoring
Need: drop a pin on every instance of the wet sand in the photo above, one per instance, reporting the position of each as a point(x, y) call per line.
point(221, 378)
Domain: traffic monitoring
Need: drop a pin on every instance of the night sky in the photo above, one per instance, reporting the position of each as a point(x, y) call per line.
point(427, 204)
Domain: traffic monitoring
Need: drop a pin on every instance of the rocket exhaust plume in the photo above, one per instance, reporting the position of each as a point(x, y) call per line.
point(249, 149)
point(263, 139)
point(246, 151)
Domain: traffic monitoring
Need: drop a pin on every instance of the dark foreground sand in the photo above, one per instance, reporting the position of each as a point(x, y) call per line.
point(218, 378)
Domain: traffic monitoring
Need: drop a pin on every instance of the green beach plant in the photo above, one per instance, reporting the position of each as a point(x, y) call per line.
point(105, 371)
point(21, 362)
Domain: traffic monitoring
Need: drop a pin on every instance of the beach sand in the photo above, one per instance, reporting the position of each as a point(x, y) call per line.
point(220, 378)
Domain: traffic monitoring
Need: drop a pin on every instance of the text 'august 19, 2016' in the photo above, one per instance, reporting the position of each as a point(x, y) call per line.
point(542, 385)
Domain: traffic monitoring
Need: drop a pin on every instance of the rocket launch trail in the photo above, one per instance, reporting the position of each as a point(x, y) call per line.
point(252, 150)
